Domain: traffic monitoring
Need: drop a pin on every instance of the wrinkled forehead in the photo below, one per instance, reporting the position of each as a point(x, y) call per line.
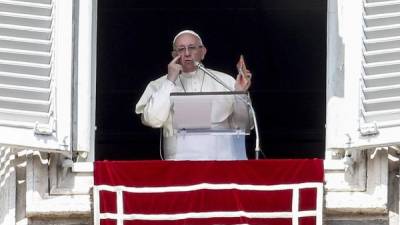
point(187, 33)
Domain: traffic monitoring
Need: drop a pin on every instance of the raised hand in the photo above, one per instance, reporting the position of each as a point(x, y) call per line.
point(243, 79)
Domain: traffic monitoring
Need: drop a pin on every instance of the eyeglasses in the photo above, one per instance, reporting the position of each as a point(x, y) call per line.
point(190, 48)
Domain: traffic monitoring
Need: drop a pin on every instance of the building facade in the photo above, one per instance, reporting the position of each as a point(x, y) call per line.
point(47, 96)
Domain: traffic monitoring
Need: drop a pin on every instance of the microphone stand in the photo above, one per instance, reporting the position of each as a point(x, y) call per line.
point(247, 102)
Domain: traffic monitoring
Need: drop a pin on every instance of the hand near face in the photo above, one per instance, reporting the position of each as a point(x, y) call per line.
point(174, 69)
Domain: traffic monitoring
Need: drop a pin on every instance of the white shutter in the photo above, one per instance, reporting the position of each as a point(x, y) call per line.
point(380, 78)
point(355, 170)
point(35, 73)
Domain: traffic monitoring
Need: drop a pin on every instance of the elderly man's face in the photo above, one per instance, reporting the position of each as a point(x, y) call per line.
point(190, 49)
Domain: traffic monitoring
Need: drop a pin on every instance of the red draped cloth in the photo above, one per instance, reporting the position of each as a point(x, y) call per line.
point(275, 192)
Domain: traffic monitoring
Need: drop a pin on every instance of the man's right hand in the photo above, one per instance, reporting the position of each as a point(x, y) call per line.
point(174, 69)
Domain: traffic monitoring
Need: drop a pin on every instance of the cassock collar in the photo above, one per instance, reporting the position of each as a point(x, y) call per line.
point(190, 75)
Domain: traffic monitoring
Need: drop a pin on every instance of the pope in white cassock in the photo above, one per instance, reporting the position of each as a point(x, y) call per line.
point(184, 76)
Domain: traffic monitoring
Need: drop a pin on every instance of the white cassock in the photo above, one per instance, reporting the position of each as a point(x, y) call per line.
point(155, 107)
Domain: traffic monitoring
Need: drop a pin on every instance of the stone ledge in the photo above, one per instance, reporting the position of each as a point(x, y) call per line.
point(60, 206)
point(357, 219)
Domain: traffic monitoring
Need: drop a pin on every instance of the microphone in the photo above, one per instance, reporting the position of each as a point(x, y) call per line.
point(209, 73)
point(246, 101)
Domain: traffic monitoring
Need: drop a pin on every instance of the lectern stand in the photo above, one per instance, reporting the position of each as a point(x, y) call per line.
point(210, 125)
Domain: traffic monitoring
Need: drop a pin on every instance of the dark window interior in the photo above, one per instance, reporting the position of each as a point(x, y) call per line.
point(284, 44)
